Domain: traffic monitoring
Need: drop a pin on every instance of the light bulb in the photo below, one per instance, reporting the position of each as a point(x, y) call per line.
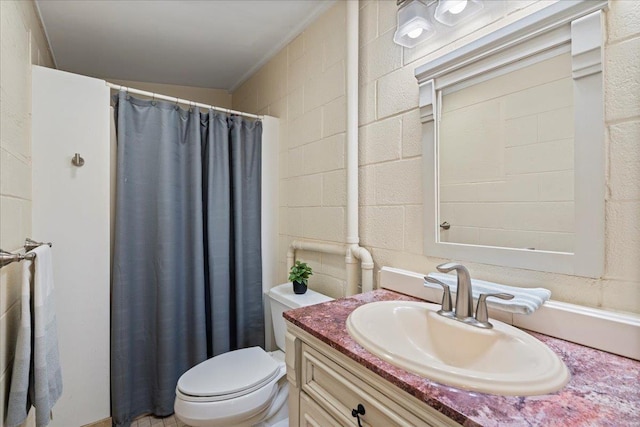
point(414, 34)
point(458, 7)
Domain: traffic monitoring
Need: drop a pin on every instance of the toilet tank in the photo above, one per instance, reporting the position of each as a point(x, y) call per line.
point(282, 298)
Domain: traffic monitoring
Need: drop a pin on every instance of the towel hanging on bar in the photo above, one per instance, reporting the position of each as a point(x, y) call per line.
point(7, 258)
point(36, 378)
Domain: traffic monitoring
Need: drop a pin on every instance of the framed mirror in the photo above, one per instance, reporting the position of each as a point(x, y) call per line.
point(513, 137)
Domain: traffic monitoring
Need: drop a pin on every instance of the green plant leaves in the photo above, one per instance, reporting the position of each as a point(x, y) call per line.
point(300, 272)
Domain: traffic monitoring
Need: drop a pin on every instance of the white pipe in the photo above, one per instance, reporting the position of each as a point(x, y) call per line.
point(353, 251)
point(353, 237)
point(352, 254)
point(305, 245)
point(352, 122)
point(366, 265)
point(181, 101)
point(352, 275)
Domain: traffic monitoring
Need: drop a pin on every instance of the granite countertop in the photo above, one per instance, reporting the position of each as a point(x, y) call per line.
point(604, 389)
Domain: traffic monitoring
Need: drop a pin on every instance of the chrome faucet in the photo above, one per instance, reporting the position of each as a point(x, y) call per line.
point(464, 298)
point(464, 295)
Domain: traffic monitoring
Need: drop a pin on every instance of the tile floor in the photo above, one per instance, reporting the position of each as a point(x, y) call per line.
point(151, 421)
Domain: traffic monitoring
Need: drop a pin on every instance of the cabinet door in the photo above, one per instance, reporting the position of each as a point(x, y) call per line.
point(312, 415)
point(339, 392)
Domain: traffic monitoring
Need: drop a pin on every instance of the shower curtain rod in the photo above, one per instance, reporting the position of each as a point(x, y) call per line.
point(181, 101)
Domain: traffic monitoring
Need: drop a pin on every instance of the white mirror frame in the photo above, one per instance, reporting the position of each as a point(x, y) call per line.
point(574, 24)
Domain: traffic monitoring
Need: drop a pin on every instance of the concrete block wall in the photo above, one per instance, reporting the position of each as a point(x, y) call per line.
point(304, 85)
point(621, 284)
point(391, 211)
point(22, 43)
point(506, 160)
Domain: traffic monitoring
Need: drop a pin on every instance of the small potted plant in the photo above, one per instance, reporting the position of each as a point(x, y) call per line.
point(299, 275)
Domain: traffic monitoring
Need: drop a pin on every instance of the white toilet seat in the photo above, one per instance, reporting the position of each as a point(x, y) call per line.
point(228, 376)
point(246, 402)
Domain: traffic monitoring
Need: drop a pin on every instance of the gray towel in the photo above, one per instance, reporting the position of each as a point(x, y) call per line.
point(19, 400)
point(44, 375)
point(525, 301)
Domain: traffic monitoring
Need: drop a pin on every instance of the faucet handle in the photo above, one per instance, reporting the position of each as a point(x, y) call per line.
point(482, 314)
point(446, 295)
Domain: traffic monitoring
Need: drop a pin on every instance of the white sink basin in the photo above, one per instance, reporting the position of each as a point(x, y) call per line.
point(503, 360)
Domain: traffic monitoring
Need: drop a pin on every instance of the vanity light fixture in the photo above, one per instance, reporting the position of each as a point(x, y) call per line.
point(453, 12)
point(414, 23)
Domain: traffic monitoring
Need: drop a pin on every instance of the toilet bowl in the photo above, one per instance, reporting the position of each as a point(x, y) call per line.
point(246, 387)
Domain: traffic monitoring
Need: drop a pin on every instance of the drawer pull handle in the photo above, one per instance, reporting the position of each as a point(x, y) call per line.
point(357, 412)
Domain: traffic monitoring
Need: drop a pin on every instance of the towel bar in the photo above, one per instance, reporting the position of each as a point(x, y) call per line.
point(30, 244)
point(7, 258)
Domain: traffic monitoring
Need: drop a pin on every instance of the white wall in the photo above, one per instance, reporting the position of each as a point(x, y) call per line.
point(71, 209)
point(298, 84)
point(269, 224)
point(22, 43)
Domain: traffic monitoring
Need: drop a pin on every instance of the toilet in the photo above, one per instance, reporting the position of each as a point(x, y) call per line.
point(246, 387)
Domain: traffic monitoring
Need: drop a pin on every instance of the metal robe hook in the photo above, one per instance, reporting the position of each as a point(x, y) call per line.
point(77, 160)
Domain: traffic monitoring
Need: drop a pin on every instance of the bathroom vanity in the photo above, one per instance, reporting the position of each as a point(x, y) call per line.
point(330, 375)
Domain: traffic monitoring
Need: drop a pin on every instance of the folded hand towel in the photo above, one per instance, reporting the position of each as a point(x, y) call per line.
point(525, 301)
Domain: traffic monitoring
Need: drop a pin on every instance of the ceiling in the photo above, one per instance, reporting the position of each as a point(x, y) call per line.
point(214, 43)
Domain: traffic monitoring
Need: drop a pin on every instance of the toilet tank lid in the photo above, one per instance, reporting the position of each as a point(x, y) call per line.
point(284, 294)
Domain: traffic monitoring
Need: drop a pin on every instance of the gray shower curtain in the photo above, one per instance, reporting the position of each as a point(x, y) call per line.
point(187, 272)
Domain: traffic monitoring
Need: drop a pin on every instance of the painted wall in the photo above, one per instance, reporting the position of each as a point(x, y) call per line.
point(304, 86)
point(68, 198)
point(215, 97)
point(22, 43)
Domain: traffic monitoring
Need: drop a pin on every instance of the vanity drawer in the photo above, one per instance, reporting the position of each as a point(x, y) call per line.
point(312, 415)
point(338, 391)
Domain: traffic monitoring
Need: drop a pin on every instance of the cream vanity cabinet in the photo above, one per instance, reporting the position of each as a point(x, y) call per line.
point(325, 386)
